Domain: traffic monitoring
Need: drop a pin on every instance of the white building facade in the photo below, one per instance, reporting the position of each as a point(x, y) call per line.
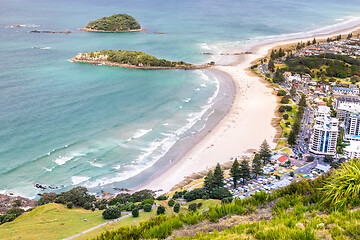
point(353, 150)
point(324, 136)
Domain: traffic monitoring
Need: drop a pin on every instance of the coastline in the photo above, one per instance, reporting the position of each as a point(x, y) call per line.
point(103, 31)
point(102, 62)
point(247, 123)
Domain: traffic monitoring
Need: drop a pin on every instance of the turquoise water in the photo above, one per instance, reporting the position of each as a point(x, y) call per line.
point(63, 123)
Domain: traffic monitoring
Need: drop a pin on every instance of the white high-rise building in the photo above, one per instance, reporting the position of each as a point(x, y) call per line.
point(352, 125)
point(324, 136)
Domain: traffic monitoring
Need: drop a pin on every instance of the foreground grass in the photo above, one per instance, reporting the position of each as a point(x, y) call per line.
point(50, 221)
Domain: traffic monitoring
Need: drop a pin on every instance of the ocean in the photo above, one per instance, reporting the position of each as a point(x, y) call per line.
point(65, 124)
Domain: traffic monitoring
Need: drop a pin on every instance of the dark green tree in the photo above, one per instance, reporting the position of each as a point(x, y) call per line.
point(302, 102)
point(292, 138)
point(244, 170)
point(171, 202)
point(293, 91)
point(265, 152)
point(256, 165)
point(177, 207)
point(69, 205)
point(218, 176)
point(314, 41)
point(271, 66)
point(135, 212)
point(111, 213)
point(160, 210)
point(235, 172)
point(147, 207)
point(209, 181)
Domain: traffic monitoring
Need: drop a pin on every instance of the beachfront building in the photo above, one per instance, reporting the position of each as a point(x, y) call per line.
point(324, 136)
point(352, 125)
point(322, 111)
point(346, 91)
point(353, 100)
point(353, 150)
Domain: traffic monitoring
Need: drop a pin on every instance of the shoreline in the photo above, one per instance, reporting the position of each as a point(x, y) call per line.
point(104, 31)
point(102, 62)
point(226, 144)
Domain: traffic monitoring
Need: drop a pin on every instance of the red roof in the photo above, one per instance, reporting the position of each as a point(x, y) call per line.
point(283, 159)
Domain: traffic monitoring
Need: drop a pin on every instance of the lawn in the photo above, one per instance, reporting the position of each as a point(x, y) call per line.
point(50, 221)
point(143, 216)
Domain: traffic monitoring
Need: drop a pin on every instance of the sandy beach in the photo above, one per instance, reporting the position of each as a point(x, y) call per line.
point(243, 128)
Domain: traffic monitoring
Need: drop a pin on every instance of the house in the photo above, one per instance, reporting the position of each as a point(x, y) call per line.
point(306, 77)
point(281, 159)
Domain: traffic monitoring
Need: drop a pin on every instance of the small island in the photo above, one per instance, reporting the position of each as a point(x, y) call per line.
point(132, 59)
point(114, 23)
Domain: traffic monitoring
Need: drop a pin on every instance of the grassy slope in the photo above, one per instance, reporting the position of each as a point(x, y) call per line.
point(69, 222)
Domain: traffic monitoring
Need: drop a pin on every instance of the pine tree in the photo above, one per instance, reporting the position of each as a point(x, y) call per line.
point(235, 172)
point(245, 170)
point(271, 66)
point(256, 165)
point(314, 41)
point(292, 138)
point(218, 176)
point(209, 181)
point(265, 152)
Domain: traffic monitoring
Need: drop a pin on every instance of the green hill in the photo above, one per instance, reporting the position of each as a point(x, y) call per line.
point(114, 23)
point(50, 221)
point(130, 59)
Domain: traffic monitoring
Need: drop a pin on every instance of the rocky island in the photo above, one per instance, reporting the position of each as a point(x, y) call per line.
point(114, 23)
point(132, 59)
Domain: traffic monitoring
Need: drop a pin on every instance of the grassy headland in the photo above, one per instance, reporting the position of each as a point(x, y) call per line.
point(114, 23)
point(131, 59)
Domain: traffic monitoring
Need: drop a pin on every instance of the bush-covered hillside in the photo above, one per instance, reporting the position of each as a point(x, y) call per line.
point(114, 23)
point(325, 208)
point(135, 58)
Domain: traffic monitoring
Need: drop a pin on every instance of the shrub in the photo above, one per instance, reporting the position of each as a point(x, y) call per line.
point(286, 116)
point(171, 202)
point(220, 193)
point(148, 201)
point(135, 212)
point(87, 206)
point(288, 108)
point(111, 213)
point(15, 211)
point(93, 209)
point(161, 198)
point(310, 158)
point(78, 196)
point(199, 205)
point(197, 193)
point(227, 200)
point(160, 210)
point(177, 207)
point(147, 207)
point(281, 93)
point(343, 186)
point(284, 100)
point(102, 206)
point(192, 207)
point(69, 205)
point(292, 174)
point(142, 195)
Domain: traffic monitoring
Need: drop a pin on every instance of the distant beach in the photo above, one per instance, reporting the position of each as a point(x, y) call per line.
point(246, 124)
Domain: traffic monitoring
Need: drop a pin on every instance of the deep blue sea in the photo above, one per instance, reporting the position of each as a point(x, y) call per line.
point(64, 124)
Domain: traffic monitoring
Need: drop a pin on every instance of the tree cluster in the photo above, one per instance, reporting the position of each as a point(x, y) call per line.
point(114, 23)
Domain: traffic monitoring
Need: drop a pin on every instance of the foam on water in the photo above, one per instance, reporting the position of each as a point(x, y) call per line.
point(78, 179)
